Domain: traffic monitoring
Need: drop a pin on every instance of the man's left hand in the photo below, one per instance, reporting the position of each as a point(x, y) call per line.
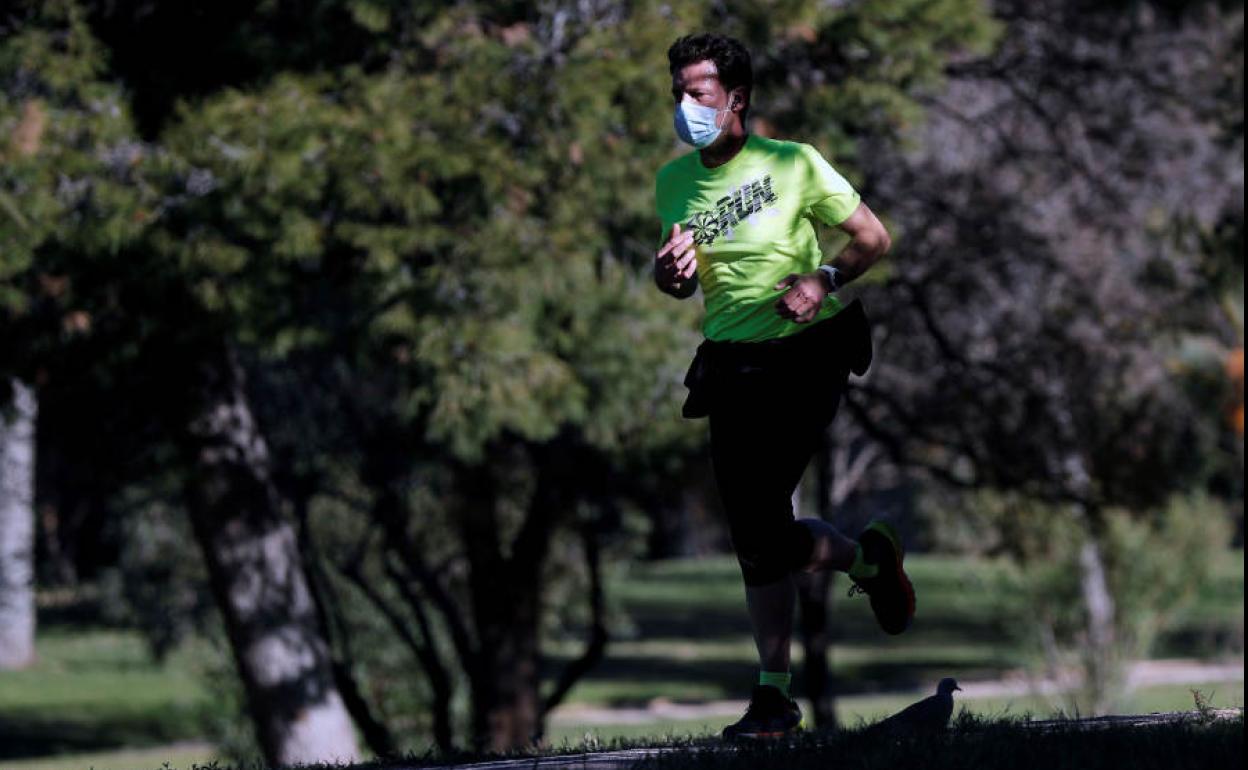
point(803, 299)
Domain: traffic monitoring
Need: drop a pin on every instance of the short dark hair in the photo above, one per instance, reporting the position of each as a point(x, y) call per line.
point(731, 58)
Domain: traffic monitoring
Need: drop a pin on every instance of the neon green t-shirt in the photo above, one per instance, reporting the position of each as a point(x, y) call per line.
point(753, 222)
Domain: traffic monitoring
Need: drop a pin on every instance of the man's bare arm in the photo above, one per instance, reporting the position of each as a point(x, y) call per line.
point(869, 241)
point(806, 292)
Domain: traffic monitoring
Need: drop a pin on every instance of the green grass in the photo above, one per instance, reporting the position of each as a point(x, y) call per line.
point(975, 743)
point(85, 670)
point(970, 742)
point(855, 710)
point(691, 637)
point(1178, 697)
point(96, 689)
point(178, 757)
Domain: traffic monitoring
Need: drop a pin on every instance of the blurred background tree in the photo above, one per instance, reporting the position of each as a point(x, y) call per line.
point(1051, 326)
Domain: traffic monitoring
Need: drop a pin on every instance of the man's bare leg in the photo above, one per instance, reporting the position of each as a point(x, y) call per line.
point(771, 606)
point(832, 549)
point(771, 614)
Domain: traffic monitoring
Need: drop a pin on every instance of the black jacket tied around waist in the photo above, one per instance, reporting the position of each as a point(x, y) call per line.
point(843, 340)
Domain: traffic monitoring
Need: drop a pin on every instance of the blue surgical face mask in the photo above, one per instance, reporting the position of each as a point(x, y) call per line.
point(697, 125)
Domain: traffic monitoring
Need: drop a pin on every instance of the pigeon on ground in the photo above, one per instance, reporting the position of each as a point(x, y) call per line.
point(929, 715)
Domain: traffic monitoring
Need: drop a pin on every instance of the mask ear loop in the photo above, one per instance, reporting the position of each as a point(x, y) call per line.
point(732, 103)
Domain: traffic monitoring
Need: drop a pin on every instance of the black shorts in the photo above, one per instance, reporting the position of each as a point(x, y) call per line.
point(769, 405)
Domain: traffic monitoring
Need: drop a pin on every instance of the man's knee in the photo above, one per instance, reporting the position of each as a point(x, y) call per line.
point(766, 557)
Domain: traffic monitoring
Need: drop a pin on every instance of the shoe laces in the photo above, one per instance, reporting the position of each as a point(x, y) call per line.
point(854, 590)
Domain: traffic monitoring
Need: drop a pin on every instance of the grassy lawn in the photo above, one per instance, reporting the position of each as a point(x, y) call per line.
point(96, 699)
point(855, 710)
point(97, 689)
point(975, 743)
point(179, 756)
point(691, 637)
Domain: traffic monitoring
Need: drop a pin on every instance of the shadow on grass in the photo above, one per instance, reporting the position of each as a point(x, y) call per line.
point(26, 735)
point(1199, 639)
point(734, 677)
point(698, 623)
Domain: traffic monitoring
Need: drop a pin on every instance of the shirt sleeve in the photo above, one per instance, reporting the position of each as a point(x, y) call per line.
point(664, 227)
point(826, 194)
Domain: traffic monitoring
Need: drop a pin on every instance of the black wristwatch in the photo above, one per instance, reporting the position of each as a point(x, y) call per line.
point(833, 279)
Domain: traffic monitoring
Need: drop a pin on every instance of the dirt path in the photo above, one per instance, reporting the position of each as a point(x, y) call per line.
point(1141, 674)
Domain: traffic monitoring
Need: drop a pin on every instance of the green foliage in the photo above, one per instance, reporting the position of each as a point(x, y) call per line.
point(158, 584)
point(1157, 564)
point(67, 156)
point(384, 665)
point(478, 222)
point(480, 269)
point(830, 74)
point(567, 575)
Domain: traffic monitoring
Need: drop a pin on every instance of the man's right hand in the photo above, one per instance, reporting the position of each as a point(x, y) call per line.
point(675, 265)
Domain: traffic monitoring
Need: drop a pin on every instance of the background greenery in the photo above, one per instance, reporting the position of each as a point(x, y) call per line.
point(412, 242)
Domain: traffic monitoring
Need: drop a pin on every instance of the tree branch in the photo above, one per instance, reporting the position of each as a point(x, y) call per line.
point(596, 645)
point(387, 510)
point(375, 732)
point(435, 669)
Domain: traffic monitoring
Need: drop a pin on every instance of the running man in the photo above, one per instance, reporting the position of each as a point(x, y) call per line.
point(738, 218)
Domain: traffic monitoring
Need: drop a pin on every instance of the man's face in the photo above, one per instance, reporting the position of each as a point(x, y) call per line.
point(699, 83)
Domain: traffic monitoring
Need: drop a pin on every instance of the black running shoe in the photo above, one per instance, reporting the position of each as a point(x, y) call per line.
point(771, 715)
point(890, 591)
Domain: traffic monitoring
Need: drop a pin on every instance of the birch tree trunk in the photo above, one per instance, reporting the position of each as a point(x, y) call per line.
point(1101, 664)
point(251, 552)
point(17, 530)
point(1102, 669)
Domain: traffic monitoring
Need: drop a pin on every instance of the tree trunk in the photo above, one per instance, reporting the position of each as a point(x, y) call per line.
point(814, 590)
point(254, 568)
point(505, 594)
point(17, 530)
point(1102, 669)
point(507, 591)
point(506, 705)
